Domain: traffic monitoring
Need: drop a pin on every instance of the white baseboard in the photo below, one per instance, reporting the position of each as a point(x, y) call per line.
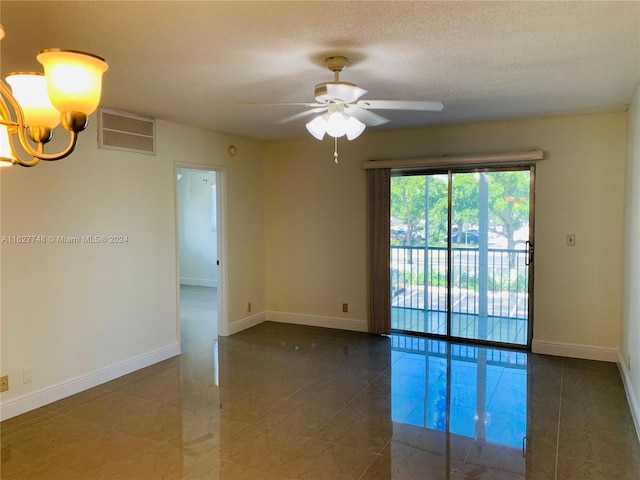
point(634, 405)
point(44, 396)
point(247, 322)
point(318, 321)
point(298, 319)
point(574, 350)
point(199, 282)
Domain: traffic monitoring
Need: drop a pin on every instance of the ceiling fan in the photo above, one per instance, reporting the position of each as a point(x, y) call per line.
point(341, 111)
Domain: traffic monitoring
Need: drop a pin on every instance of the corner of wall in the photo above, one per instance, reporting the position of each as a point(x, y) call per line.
point(630, 324)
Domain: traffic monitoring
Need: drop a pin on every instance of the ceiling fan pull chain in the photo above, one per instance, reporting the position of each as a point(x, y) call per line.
point(335, 151)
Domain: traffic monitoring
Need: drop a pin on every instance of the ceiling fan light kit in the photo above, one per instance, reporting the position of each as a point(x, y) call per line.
point(335, 123)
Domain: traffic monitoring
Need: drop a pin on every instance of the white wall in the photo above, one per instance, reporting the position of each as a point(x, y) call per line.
point(77, 314)
point(316, 223)
point(630, 335)
point(198, 242)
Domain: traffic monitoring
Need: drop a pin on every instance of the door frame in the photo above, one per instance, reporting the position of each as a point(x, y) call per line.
point(450, 171)
point(221, 233)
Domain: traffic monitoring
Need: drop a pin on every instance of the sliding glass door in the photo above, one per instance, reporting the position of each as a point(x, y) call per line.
point(461, 254)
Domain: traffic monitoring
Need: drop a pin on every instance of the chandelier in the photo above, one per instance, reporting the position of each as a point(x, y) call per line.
point(33, 104)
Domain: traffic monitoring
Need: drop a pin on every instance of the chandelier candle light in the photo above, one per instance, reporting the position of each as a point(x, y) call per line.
point(33, 104)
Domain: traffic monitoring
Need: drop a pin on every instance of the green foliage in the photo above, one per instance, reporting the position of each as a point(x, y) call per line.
point(509, 201)
point(501, 283)
point(508, 204)
point(408, 203)
point(438, 205)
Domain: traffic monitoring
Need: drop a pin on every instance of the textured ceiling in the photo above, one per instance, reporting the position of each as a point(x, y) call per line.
point(197, 62)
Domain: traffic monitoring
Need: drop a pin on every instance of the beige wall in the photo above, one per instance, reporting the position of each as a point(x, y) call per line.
point(316, 219)
point(245, 211)
point(296, 237)
point(70, 310)
point(315, 230)
point(630, 339)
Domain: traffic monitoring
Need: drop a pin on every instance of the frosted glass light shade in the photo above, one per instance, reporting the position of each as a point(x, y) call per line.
point(354, 128)
point(30, 89)
point(74, 79)
point(337, 124)
point(317, 127)
point(6, 154)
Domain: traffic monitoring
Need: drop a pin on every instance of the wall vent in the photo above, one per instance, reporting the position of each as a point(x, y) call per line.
point(126, 131)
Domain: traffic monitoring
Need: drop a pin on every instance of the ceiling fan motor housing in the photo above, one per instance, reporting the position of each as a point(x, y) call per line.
point(322, 95)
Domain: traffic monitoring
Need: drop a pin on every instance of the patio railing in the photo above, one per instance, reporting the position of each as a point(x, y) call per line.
point(423, 285)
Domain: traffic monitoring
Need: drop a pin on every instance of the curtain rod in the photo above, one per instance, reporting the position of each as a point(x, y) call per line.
point(448, 160)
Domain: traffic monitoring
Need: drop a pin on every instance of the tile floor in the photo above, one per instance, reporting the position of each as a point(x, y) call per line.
point(291, 402)
point(463, 325)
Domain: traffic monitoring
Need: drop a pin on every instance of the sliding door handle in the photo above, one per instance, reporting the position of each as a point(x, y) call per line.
point(529, 254)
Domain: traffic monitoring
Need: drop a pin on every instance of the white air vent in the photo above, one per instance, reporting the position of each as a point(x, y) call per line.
point(125, 131)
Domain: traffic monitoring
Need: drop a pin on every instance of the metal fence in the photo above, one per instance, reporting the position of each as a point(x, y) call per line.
point(419, 280)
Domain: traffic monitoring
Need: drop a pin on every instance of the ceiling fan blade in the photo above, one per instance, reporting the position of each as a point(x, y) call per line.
point(306, 113)
point(345, 92)
point(402, 105)
point(278, 104)
point(365, 116)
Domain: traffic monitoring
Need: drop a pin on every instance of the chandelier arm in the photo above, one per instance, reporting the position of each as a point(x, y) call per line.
point(24, 163)
point(21, 131)
point(39, 153)
point(7, 95)
point(35, 159)
point(5, 115)
point(27, 163)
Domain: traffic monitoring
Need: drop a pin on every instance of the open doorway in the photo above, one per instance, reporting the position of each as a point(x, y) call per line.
point(200, 287)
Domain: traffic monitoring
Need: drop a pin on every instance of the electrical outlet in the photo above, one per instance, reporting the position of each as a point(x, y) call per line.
point(4, 383)
point(571, 239)
point(27, 375)
point(345, 307)
point(249, 307)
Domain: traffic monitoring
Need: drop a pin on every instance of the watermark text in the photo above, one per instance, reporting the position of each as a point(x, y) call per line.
point(65, 239)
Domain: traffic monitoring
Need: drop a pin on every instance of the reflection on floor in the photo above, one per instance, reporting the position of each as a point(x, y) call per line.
point(430, 378)
point(297, 402)
point(463, 325)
